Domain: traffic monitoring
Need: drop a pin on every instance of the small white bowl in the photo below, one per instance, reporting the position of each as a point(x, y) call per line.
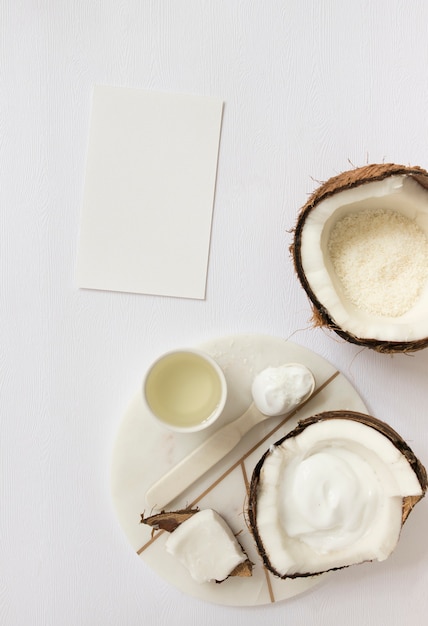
point(185, 390)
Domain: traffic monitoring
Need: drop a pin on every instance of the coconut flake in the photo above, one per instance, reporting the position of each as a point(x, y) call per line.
point(381, 258)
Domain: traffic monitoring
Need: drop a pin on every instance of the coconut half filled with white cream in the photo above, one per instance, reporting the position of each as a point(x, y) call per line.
point(360, 251)
point(332, 493)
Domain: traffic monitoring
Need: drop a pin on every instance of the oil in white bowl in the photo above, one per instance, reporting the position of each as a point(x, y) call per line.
point(184, 390)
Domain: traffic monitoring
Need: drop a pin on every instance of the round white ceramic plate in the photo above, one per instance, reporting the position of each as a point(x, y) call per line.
point(144, 451)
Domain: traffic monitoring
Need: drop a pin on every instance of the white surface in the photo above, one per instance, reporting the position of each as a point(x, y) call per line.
point(308, 86)
point(144, 452)
point(149, 192)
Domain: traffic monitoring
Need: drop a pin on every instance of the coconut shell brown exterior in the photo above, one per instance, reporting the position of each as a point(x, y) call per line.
point(408, 502)
point(337, 184)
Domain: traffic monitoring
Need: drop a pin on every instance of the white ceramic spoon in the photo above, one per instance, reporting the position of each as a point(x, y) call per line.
point(213, 449)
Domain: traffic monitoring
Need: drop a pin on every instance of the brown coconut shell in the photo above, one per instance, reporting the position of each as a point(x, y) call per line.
point(336, 184)
point(408, 502)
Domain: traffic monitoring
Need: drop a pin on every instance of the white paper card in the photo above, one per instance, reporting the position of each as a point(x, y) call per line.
point(149, 192)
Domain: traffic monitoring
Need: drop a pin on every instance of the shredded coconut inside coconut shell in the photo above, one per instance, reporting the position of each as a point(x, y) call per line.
point(381, 258)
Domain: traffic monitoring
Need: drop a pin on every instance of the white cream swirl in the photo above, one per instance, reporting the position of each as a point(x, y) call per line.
point(328, 499)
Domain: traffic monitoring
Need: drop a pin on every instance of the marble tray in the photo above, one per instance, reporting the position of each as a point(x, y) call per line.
point(144, 451)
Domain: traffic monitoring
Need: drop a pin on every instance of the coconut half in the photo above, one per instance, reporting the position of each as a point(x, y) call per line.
point(360, 251)
point(332, 493)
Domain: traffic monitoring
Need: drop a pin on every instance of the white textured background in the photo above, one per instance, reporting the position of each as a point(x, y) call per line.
point(310, 87)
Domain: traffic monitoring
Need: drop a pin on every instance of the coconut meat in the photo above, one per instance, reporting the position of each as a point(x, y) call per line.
point(331, 497)
point(399, 194)
point(206, 546)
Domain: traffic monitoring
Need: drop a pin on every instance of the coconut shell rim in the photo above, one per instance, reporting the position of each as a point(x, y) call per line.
point(350, 179)
point(408, 504)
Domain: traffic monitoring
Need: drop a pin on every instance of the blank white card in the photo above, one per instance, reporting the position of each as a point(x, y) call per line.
point(149, 192)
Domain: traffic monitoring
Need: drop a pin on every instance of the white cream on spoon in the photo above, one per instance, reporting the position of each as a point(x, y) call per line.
point(276, 391)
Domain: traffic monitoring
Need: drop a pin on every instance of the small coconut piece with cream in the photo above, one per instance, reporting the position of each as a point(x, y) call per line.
point(204, 544)
point(360, 250)
point(332, 493)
